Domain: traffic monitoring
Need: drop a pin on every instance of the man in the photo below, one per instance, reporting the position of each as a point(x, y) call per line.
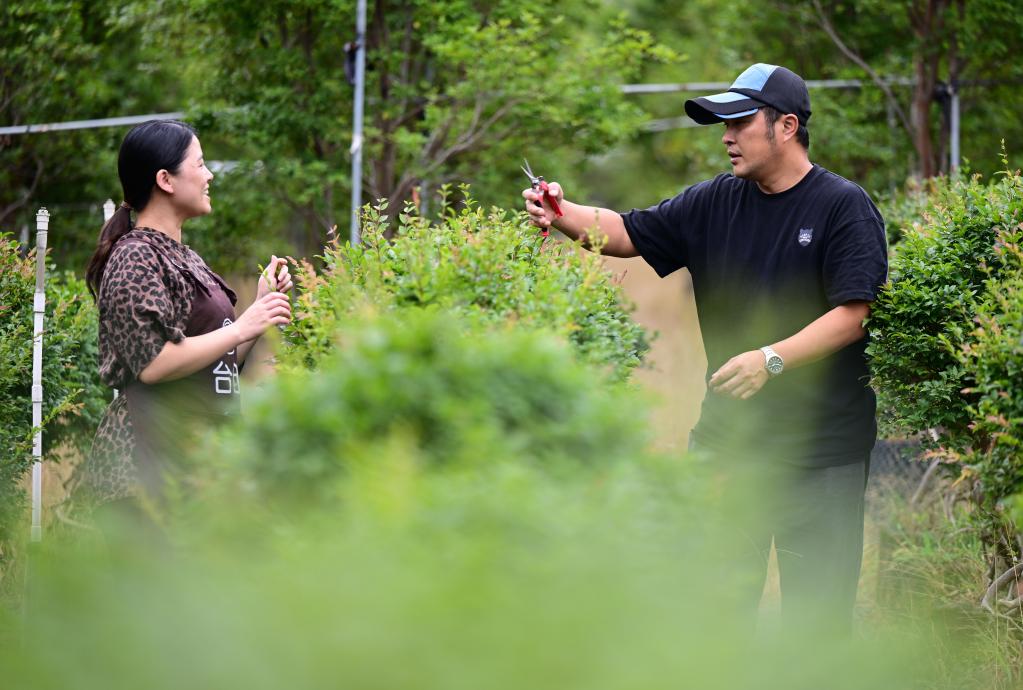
point(785, 258)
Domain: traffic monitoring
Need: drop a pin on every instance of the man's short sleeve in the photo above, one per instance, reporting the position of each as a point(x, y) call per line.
point(657, 233)
point(856, 259)
point(142, 305)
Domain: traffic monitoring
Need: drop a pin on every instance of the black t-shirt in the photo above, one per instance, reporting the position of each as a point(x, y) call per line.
point(764, 266)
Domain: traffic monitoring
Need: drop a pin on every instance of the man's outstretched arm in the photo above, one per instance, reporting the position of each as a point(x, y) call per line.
point(579, 220)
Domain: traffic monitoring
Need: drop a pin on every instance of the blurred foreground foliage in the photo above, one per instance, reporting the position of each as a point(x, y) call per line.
point(502, 574)
point(436, 389)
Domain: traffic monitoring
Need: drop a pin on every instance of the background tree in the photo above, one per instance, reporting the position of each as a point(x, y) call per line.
point(456, 91)
point(460, 90)
point(68, 61)
point(948, 41)
point(871, 135)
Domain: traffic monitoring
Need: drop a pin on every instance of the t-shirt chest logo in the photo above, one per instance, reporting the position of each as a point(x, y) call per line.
point(805, 236)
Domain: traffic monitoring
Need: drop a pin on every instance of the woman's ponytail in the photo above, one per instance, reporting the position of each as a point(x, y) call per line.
point(114, 229)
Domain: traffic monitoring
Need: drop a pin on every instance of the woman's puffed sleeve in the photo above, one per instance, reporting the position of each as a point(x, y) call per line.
point(144, 304)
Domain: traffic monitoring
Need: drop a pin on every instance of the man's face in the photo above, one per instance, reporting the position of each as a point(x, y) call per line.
point(750, 147)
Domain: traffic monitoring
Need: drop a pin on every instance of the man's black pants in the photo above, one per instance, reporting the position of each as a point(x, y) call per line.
point(815, 518)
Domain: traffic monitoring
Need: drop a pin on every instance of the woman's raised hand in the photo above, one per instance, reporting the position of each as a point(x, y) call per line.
point(274, 278)
point(272, 309)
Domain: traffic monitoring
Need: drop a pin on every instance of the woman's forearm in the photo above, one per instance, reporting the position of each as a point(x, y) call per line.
point(177, 360)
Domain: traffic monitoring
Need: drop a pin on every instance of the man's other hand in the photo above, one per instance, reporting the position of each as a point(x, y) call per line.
point(541, 214)
point(741, 376)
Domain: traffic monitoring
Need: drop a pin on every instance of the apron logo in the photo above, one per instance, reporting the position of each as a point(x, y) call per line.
point(805, 236)
point(225, 378)
point(228, 322)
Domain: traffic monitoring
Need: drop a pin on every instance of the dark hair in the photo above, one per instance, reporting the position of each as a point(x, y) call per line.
point(772, 115)
point(148, 148)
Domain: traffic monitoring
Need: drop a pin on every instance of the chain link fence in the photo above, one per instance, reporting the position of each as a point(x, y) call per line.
point(899, 470)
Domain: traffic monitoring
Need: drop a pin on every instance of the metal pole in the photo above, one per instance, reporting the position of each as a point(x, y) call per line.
point(39, 308)
point(360, 87)
point(88, 124)
point(953, 129)
point(108, 213)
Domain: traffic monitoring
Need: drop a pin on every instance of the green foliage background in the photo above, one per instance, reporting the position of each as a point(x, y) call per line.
point(458, 91)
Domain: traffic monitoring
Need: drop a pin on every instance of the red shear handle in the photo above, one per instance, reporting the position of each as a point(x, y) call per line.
point(549, 198)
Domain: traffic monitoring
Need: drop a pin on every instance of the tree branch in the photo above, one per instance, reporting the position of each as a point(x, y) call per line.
point(471, 138)
point(434, 157)
point(829, 29)
point(924, 481)
point(27, 195)
point(1012, 573)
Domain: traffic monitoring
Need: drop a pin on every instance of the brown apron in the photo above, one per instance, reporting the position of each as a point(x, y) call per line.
point(167, 417)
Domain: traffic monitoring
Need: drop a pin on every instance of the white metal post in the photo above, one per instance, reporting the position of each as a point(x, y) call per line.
point(39, 309)
point(108, 213)
point(360, 87)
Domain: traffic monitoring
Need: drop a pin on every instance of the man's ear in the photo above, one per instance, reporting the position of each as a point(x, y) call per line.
point(164, 181)
point(789, 126)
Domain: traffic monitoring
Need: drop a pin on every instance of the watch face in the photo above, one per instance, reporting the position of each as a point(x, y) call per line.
point(775, 365)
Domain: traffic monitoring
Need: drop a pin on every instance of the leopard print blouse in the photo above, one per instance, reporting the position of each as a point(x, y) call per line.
point(145, 299)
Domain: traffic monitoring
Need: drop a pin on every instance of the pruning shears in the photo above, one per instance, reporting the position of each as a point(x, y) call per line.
point(540, 184)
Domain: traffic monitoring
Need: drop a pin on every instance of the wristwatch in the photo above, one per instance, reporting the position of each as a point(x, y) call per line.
point(772, 361)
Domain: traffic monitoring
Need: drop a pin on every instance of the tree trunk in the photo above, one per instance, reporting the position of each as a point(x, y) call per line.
point(927, 17)
point(920, 117)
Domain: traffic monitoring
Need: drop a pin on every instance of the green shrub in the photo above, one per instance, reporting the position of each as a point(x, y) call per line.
point(74, 399)
point(993, 361)
point(448, 390)
point(484, 265)
point(947, 353)
point(943, 272)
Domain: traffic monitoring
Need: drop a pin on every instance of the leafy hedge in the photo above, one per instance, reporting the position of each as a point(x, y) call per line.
point(485, 265)
point(468, 341)
point(74, 399)
point(436, 389)
point(946, 350)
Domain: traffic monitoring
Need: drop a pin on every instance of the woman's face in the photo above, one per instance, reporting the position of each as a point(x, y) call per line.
point(192, 183)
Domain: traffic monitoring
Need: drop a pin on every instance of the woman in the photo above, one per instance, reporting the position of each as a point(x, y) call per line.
point(168, 337)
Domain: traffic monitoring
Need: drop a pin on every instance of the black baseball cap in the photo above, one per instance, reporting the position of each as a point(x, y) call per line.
point(759, 85)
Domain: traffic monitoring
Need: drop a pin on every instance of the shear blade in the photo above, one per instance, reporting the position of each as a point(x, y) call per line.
point(529, 171)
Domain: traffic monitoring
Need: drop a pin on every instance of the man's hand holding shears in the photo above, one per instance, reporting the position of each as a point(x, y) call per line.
point(543, 200)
